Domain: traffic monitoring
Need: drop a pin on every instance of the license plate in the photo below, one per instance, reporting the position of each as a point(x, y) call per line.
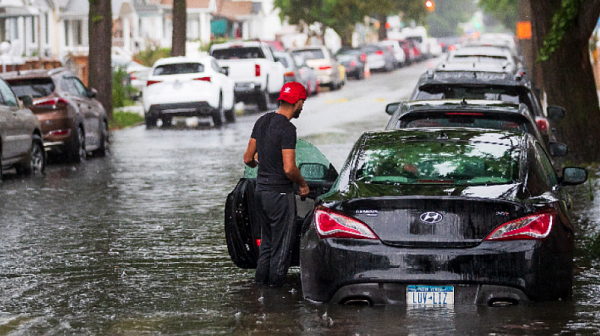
point(431, 296)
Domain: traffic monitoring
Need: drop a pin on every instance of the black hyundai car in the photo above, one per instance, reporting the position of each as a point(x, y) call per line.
point(435, 217)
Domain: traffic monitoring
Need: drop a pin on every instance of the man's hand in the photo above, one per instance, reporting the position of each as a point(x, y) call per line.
point(304, 191)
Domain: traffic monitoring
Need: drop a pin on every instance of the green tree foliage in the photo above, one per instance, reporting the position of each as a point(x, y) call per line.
point(343, 15)
point(447, 15)
point(563, 20)
point(505, 11)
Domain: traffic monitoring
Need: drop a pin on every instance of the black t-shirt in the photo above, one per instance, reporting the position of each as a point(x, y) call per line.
point(273, 132)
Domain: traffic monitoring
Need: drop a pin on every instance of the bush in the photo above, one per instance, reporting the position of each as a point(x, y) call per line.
point(122, 91)
point(151, 55)
point(125, 119)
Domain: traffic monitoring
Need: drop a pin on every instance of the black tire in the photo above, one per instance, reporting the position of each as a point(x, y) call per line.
point(230, 115)
point(150, 122)
point(218, 114)
point(0, 164)
point(36, 163)
point(166, 121)
point(77, 151)
point(263, 100)
point(103, 146)
point(240, 234)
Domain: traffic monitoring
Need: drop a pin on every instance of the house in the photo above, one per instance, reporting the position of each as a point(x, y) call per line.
point(245, 20)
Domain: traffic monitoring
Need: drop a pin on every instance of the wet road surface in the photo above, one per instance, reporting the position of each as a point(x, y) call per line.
point(133, 244)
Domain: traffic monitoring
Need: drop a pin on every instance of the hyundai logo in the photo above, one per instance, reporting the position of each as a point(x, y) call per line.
point(431, 217)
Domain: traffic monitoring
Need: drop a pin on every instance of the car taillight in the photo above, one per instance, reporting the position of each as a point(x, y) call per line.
point(132, 76)
point(543, 124)
point(257, 70)
point(452, 47)
point(51, 102)
point(324, 67)
point(536, 226)
point(150, 82)
point(205, 79)
point(331, 224)
point(353, 63)
point(363, 57)
point(61, 132)
point(289, 74)
point(379, 52)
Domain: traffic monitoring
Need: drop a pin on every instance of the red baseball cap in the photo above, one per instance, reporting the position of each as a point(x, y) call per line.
point(292, 92)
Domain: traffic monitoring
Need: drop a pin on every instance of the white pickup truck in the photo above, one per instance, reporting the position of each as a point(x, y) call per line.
point(251, 65)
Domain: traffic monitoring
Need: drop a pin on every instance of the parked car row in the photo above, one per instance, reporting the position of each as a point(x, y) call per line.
point(48, 111)
point(457, 201)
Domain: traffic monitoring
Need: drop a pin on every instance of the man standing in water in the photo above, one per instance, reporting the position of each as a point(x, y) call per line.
point(274, 139)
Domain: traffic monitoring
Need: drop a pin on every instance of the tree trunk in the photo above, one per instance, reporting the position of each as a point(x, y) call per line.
point(569, 80)
point(382, 31)
point(179, 28)
point(99, 58)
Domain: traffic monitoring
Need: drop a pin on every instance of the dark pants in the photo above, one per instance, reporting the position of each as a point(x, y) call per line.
point(277, 216)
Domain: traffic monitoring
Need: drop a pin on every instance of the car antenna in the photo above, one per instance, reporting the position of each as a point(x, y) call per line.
point(464, 101)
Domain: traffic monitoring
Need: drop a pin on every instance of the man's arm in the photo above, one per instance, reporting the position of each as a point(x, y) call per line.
point(292, 171)
point(250, 153)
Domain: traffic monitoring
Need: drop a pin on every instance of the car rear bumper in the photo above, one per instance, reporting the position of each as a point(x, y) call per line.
point(395, 293)
point(329, 266)
point(190, 109)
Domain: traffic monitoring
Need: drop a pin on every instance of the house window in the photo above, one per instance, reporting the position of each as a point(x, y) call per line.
point(67, 24)
point(33, 31)
point(15, 28)
point(47, 27)
point(78, 33)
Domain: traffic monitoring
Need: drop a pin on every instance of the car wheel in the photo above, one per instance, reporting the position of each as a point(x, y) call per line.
point(217, 114)
point(0, 164)
point(166, 121)
point(150, 122)
point(263, 101)
point(230, 115)
point(103, 147)
point(37, 159)
point(77, 151)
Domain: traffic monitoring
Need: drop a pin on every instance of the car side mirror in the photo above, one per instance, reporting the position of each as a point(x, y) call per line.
point(27, 100)
point(225, 71)
point(574, 176)
point(92, 93)
point(391, 108)
point(313, 171)
point(556, 112)
point(558, 148)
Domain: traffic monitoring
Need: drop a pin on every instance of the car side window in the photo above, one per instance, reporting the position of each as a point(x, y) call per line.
point(68, 85)
point(215, 66)
point(551, 177)
point(81, 90)
point(540, 180)
point(8, 96)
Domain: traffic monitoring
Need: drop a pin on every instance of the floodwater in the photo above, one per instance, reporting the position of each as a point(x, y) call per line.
point(133, 244)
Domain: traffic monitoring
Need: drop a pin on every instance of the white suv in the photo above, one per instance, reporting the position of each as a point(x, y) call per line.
point(186, 87)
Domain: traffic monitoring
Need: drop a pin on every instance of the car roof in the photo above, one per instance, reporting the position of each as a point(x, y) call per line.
point(37, 73)
point(309, 47)
point(233, 44)
point(182, 59)
point(501, 137)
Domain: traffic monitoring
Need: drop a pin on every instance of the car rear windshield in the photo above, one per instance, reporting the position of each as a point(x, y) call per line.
point(178, 69)
point(506, 94)
point(497, 121)
point(238, 53)
point(35, 87)
point(438, 162)
point(309, 54)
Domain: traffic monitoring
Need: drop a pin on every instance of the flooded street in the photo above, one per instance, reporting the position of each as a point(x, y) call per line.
point(134, 244)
